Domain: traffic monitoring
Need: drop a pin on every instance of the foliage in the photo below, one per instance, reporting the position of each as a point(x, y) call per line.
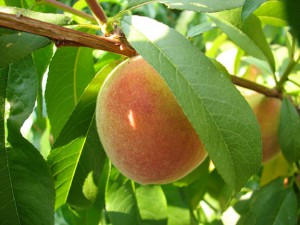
point(53, 168)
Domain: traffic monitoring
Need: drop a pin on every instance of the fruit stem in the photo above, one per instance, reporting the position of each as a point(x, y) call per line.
point(100, 16)
point(69, 9)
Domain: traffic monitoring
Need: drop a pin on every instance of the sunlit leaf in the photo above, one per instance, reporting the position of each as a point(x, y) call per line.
point(248, 35)
point(152, 205)
point(77, 151)
point(178, 209)
point(273, 13)
point(71, 69)
point(120, 201)
point(41, 59)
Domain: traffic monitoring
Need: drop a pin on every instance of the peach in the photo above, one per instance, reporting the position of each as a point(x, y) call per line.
point(142, 128)
point(267, 111)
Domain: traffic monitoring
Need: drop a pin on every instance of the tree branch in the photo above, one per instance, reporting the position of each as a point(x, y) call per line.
point(67, 37)
point(256, 87)
point(63, 36)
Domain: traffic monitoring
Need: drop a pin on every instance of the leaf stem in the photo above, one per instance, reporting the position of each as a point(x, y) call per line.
point(69, 9)
point(269, 92)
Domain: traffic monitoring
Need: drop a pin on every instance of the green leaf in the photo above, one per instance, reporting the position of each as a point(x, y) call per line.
point(271, 205)
point(292, 11)
point(218, 189)
point(178, 210)
point(194, 185)
point(222, 118)
point(77, 151)
point(21, 90)
point(26, 183)
point(273, 13)
point(194, 5)
point(250, 6)
point(58, 19)
point(19, 3)
point(41, 58)
point(120, 202)
point(69, 216)
point(248, 34)
point(70, 71)
point(289, 131)
point(152, 205)
point(16, 45)
point(201, 28)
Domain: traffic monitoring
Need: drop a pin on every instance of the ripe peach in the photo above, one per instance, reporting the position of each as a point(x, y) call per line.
point(142, 127)
point(267, 111)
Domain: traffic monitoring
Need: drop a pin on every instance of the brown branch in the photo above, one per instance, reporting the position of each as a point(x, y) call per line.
point(67, 37)
point(256, 87)
point(63, 36)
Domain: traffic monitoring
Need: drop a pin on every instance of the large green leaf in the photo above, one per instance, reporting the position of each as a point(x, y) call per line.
point(14, 46)
point(77, 151)
point(152, 205)
point(26, 185)
point(178, 209)
point(220, 115)
point(193, 5)
point(247, 34)
point(289, 131)
point(271, 204)
point(120, 201)
point(273, 13)
point(71, 69)
point(41, 58)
